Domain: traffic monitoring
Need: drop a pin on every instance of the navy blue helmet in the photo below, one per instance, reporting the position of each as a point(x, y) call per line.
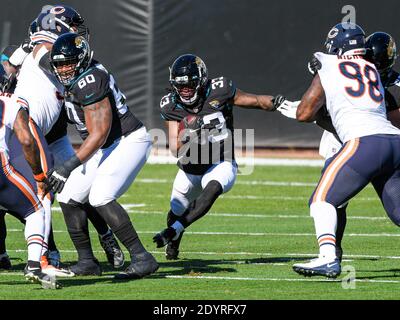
point(60, 19)
point(345, 37)
point(381, 51)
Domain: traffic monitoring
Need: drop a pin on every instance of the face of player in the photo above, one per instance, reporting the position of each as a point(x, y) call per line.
point(66, 71)
point(187, 91)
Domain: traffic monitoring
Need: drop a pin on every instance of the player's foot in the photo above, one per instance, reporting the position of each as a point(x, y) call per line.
point(5, 262)
point(114, 254)
point(86, 268)
point(339, 253)
point(321, 266)
point(35, 275)
point(164, 237)
point(172, 249)
point(141, 265)
point(53, 271)
point(54, 258)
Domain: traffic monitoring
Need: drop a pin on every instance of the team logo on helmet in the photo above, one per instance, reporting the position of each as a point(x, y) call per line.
point(391, 49)
point(79, 42)
point(333, 33)
point(57, 10)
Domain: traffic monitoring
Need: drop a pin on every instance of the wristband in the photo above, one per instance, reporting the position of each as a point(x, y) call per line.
point(39, 177)
point(72, 163)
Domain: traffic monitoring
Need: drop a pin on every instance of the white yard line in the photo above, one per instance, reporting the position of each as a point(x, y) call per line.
point(253, 234)
point(229, 214)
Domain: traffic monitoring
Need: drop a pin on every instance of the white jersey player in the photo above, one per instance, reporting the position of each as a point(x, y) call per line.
point(353, 93)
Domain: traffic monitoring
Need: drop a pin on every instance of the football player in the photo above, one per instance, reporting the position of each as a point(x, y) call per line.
point(115, 147)
point(36, 81)
point(381, 50)
point(17, 195)
point(350, 87)
point(203, 107)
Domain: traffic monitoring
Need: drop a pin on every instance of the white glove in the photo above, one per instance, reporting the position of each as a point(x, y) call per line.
point(289, 108)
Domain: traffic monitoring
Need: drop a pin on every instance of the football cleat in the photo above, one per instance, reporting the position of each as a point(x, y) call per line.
point(142, 265)
point(114, 254)
point(172, 249)
point(321, 266)
point(5, 262)
point(35, 275)
point(164, 237)
point(86, 268)
point(53, 271)
point(54, 258)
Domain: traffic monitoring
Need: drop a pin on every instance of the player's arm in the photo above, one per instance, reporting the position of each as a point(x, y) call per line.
point(174, 142)
point(30, 150)
point(98, 119)
point(253, 101)
point(311, 102)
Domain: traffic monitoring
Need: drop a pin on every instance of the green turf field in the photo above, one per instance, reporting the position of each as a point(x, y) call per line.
point(243, 249)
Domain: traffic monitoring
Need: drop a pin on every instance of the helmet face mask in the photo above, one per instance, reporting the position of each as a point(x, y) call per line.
point(188, 76)
point(70, 57)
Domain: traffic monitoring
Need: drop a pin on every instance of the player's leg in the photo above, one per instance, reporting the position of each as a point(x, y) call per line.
point(217, 180)
point(341, 225)
point(5, 262)
point(343, 177)
point(120, 164)
point(110, 245)
point(19, 198)
point(185, 190)
point(388, 189)
point(62, 151)
point(71, 200)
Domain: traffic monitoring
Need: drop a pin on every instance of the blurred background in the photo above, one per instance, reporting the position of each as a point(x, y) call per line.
point(263, 46)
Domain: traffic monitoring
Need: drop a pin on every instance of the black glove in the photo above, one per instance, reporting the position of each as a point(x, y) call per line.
point(277, 101)
point(314, 65)
point(27, 45)
point(59, 175)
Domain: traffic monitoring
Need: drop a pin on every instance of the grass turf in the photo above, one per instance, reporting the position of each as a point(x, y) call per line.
point(243, 249)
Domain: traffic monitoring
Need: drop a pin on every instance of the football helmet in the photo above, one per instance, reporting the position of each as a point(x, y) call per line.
point(346, 38)
point(381, 51)
point(188, 77)
point(60, 19)
point(70, 57)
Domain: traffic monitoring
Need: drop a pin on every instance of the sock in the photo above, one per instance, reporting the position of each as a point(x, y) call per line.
point(96, 219)
point(47, 223)
point(341, 224)
point(117, 218)
point(325, 220)
point(52, 244)
point(77, 226)
point(202, 204)
point(34, 234)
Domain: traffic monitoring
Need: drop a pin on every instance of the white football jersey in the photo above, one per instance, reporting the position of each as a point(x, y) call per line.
point(354, 96)
point(9, 107)
point(43, 91)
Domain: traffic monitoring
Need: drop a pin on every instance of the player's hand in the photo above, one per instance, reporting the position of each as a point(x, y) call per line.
point(43, 185)
point(27, 45)
point(277, 101)
point(57, 178)
point(289, 108)
point(314, 65)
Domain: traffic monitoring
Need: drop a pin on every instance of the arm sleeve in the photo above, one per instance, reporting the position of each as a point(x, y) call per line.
point(91, 87)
